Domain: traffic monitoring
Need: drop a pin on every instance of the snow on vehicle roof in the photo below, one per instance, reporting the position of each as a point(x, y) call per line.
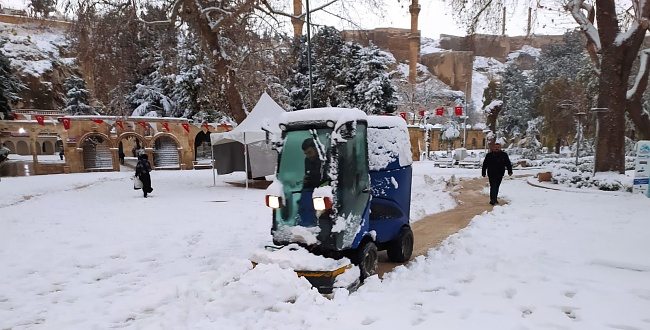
point(388, 143)
point(322, 115)
point(387, 121)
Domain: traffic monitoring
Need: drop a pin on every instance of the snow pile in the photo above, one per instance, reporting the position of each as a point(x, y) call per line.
point(526, 49)
point(295, 257)
point(428, 46)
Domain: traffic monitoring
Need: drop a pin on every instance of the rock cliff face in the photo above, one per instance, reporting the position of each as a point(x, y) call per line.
point(38, 51)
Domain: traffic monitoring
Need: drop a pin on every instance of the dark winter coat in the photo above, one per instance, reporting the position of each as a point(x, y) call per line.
point(143, 167)
point(495, 164)
point(312, 173)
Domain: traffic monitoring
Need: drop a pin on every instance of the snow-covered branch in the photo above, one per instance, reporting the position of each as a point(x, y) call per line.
point(272, 10)
point(641, 77)
point(577, 8)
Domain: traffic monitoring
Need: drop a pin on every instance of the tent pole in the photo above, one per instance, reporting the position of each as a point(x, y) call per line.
point(214, 177)
point(246, 159)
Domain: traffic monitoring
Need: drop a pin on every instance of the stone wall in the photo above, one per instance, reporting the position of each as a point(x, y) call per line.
point(391, 39)
point(14, 19)
point(453, 68)
point(496, 46)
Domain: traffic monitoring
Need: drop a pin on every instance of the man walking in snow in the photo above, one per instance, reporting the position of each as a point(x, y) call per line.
point(496, 162)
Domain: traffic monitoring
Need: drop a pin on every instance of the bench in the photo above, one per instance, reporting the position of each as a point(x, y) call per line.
point(201, 166)
point(470, 163)
point(444, 162)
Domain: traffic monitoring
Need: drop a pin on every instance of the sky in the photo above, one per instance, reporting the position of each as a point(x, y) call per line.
point(436, 18)
point(86, 251)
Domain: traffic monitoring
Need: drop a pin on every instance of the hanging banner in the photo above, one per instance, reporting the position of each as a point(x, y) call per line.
point(440, 111)
point(421, 113)
point(166, 126)
point(225, 126)
point(403, 115)
point(119, 123)
point(186, 126)
point(15, 115)
point(40, 119)
point(458, 110)
point(98, 121)
point(143, 124)
point(206, 126)
point(66, 123)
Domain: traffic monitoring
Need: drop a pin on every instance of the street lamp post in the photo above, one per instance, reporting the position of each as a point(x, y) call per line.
point(464, 131)
point(598, 112)
point(579, 116)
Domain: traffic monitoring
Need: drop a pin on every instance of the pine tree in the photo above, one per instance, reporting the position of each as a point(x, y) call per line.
point(78, 97)
point(344, 74)
point(517, 94)
point(9, 86)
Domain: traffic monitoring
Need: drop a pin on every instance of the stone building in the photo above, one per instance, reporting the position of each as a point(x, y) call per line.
point(94, 143)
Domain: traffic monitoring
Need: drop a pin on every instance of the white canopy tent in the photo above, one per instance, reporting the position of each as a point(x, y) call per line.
point(246, 147)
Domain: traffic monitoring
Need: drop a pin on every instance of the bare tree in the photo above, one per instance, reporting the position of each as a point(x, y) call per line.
point(344, 10)
point(614, 44)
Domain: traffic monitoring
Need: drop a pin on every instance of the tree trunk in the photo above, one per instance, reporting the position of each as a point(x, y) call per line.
point(210, 40)
point(612, 92)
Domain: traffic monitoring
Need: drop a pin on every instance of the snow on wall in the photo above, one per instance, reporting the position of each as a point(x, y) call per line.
point(388, 141)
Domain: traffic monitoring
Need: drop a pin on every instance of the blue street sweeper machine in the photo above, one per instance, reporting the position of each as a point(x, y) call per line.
point(342, 193)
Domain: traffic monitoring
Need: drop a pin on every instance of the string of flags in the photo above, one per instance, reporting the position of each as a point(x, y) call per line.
point(458, 111)
point(67, 122)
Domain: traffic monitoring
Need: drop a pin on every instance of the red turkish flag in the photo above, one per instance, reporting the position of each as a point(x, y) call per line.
point(119, 123)
point(40, 119)
point(403, 115)
point(15, 115)
point(186, 127)
point(66, 123)
point(440, 111)
point(98, 121)
point(206, 126)
point(225, 126)
point(143, 124)
point(166, 126)
point(421, 113)
point(458, 111)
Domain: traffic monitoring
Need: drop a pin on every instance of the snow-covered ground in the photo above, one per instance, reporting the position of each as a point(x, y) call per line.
point(86, 251)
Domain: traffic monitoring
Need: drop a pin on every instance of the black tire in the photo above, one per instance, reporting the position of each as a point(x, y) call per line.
point(401, 249)
point(366, 257)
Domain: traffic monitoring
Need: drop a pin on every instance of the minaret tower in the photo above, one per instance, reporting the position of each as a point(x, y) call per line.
point(414, 41)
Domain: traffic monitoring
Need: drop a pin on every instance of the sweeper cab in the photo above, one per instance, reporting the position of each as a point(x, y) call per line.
point(342, 192)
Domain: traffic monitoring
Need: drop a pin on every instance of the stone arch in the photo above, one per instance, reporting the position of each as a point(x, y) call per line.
point(10, 145)
point(96, 151)
point(130, 148)
point(166, 151)
point(22, 148)
point(48, 148)
point(202, 146)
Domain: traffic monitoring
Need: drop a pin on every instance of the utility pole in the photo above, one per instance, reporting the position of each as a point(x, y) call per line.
point(503, 22)
point(311, 98)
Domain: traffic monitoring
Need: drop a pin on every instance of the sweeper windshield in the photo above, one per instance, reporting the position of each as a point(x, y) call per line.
point(303, 167)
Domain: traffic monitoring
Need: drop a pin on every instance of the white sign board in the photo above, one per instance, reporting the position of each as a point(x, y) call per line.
point(642, 168)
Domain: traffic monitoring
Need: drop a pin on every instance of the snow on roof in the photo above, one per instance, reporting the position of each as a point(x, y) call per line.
point(388, 142)
point(322, 115)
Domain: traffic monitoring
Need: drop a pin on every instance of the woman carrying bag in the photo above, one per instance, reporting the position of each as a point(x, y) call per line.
point(142, 173)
